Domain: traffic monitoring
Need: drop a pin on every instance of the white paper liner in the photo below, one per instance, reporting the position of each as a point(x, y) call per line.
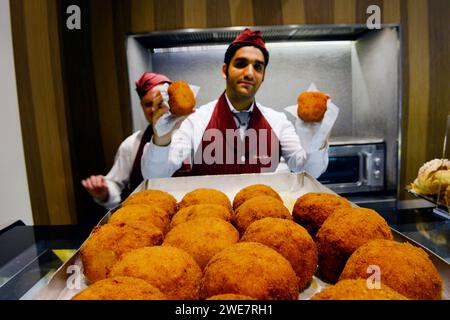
point(313, 135)
point(167, 121)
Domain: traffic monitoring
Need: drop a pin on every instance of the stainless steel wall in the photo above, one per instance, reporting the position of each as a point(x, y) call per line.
point(375, 103)
point(362, 77)
point(292, 67)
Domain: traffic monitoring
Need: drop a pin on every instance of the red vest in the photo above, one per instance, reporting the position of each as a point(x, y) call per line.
point(136, 174)
point(223, 152)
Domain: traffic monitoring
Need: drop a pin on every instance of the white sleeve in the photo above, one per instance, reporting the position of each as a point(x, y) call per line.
point(163, 162)
point(291, 149)
point(119, 175)
point(317, 162)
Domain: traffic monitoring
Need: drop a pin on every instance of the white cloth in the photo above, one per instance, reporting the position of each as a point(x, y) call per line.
point(163, 162)
point(119, 175)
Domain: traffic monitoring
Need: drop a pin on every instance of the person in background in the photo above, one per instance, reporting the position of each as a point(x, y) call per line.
point(125, 174)
point(202, 145)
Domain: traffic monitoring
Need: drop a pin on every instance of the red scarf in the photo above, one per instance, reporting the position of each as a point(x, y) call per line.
point(136, 174)
point(267, 159)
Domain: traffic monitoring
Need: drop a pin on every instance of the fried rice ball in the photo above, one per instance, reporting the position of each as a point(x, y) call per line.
point(230, 296)
point(254, 191)
point(200, 211)
point(120, 288)
point(313, 208)
point(173, 271)
point(181, 98)
point(257, 208)
point(205, 196)
point(202, 238)
point(251, 269)
point(403, 267)
point(108, 243)
point(342, 233)
point(311, 106)
point(357, 290)
point(153, 198)
point(290, 240)
point(143, 213)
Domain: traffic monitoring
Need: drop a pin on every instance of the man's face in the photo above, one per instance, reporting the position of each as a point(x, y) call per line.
point(245, 72)
point(147, 103)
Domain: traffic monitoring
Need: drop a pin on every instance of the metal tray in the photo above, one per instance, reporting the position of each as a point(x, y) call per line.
point(69, 279)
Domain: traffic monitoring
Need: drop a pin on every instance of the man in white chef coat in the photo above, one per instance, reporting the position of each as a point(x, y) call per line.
point(234, 134)
point(125, 174)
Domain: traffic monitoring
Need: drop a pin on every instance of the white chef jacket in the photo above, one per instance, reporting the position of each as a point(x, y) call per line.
point(119, 175)
point(164, 161)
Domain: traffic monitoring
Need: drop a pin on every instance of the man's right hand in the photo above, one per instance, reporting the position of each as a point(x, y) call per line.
point(96, 186)
point(159, 109)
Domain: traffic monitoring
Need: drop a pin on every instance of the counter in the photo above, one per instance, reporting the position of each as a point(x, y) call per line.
point(29, 255)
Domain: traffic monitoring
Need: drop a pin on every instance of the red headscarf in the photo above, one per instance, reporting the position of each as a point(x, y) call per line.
point(149, 80)
point(247, 38)
point(251, 37)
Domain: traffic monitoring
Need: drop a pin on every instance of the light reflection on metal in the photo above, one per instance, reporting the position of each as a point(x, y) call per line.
point(270, 45)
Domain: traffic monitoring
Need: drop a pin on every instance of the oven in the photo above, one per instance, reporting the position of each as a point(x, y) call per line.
point(356, 167)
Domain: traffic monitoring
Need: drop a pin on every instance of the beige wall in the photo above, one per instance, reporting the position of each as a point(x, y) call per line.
point(14, 195)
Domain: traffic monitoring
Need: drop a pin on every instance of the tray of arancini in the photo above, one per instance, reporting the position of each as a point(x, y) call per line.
point(69, 280)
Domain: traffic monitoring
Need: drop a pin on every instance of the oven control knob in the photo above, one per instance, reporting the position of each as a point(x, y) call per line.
point(377, 162)
point(377, 174)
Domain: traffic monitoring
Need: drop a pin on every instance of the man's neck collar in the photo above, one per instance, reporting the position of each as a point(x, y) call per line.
point(233, 109)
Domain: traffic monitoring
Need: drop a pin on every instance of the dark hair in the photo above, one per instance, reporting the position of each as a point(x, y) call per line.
point(229, 54)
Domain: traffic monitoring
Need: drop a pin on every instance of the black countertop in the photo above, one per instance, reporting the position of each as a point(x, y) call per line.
point(29, 255)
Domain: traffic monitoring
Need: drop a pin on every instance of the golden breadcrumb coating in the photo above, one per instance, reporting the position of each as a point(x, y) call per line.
point(202, 238)
point(290, 240)
point(403, 267)
point(120, 288)
point(157, 198)
point(230, 296)
point(257, 208)
point(251, 269)
point(106, 245)
point(313, 208)
point(173, 271)
point(357, 290)
point(311, 106)
point(143, 213)
point(205, 196)
point(254, 191)
point(342, 233)
point(200, 211)
point(181, 98)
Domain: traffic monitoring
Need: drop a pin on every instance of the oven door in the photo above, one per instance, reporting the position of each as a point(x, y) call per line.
point(355, 168)
point(347, 166)
point(344, 173)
